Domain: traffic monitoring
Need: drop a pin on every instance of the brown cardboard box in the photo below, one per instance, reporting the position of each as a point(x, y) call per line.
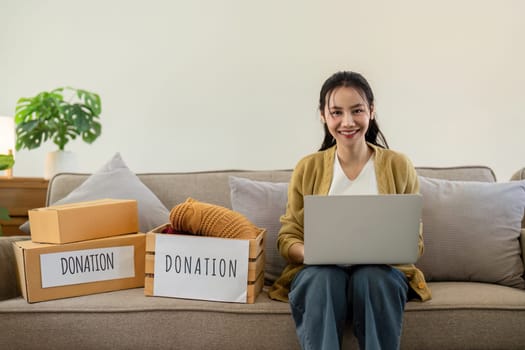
point(83, 221)
point(256, 260)
point(55, 271)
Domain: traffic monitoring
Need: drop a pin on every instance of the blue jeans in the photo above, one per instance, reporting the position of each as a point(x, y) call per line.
point(324, 297)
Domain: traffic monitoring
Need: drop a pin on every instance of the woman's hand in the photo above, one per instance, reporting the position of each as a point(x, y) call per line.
point(296, 253)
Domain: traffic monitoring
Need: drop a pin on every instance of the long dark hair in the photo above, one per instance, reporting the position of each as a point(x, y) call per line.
point(358, 82)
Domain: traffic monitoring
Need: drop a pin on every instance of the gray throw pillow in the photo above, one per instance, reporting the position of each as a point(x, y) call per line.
point(115, 180)
point(262, 203)
point(471, 231)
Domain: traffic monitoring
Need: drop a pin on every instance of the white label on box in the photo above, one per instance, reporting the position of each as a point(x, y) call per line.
point(89, 265)
point(205, 268)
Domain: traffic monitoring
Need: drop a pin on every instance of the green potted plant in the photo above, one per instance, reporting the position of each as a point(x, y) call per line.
point(50, 116)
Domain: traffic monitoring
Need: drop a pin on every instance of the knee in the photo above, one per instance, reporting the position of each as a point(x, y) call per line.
point(319, 280)
point(316, 287)
point(378, 279)
point(326, 274)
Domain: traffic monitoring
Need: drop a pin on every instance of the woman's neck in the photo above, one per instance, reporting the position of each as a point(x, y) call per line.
point(353, 159)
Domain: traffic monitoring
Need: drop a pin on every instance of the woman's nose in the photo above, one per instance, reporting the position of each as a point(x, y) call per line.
point(348, 119)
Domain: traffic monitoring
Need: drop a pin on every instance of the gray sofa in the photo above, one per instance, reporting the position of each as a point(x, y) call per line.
point(461, 315)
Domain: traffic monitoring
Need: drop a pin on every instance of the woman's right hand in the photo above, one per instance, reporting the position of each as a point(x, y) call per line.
point(296, 253)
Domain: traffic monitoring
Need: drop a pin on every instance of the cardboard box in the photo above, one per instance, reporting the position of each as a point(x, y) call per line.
point(207, 267)
point(83, 221)
point(55, 271)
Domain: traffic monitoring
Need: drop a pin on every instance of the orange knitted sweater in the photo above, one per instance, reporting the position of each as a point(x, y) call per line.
point(207, 219)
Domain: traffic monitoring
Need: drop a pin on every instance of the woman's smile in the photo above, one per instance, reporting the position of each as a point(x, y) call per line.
point(349, 133)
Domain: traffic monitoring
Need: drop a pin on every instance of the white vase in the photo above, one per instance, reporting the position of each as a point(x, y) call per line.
point(59, 162)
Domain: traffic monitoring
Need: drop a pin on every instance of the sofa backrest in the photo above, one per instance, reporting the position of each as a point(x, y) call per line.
point(459, 173)
point(212, 186)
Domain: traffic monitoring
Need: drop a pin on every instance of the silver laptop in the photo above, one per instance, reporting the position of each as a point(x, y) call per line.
point(362, 229)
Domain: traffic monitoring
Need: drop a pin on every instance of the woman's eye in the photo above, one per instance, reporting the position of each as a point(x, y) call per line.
point(336, 113)
point(358, 111)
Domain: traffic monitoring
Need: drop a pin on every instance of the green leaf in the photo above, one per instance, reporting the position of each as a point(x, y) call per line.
point(91, 100)
point(6, 161)
point(82, 117)
point(4, 215)
point(91, 135)
point(31, 134)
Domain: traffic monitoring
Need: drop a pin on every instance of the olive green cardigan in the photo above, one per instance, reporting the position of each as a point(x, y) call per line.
point(313, 175)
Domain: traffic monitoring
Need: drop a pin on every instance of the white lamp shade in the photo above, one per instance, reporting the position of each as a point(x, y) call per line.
point(7, 134)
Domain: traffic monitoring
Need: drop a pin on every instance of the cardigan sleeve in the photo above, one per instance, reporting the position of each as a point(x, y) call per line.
point(405, 176)
point(292, 222)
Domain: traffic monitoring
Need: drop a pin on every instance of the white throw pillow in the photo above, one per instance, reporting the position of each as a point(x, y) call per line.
point(115, 180)
point(471, 231)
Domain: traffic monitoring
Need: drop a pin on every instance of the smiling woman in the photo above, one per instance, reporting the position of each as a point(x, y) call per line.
point(354, 159)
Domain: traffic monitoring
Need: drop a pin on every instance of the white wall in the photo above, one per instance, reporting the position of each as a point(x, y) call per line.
point(200, 85)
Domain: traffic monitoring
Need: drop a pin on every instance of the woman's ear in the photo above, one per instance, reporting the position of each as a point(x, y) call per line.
point(372, 112)
point(321, 117)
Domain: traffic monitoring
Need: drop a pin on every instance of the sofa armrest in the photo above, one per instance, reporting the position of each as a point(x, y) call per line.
point(8, 280)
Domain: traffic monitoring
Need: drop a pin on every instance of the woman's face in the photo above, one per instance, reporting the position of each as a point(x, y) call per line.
point(347, 116)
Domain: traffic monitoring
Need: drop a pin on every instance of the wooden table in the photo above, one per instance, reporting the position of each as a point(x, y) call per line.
point(18, 195)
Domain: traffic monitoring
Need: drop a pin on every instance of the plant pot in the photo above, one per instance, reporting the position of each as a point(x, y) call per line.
point(59, 162)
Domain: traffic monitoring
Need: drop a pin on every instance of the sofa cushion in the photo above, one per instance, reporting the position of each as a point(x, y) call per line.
point(472, 230)
point(262, 203)
point(116, 180)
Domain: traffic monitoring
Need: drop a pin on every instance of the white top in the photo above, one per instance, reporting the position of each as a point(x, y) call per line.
point(364, 183)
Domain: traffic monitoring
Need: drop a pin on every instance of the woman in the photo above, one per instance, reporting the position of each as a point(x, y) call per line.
point(353, 159)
